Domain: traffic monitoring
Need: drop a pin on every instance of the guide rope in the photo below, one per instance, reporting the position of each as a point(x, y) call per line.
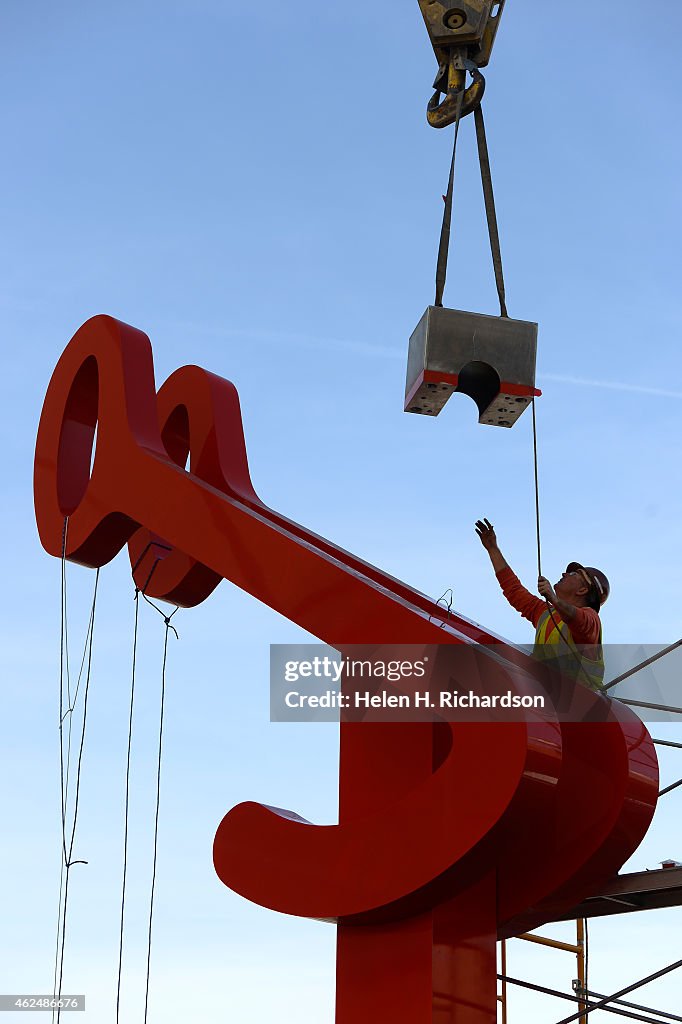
point(537, 488)
point(67, 858)
point(140, 591)
point(636, 668)
point(167, 621)
point(575, 653)
point(445, 601)
point(63, 668)
point(127, 802)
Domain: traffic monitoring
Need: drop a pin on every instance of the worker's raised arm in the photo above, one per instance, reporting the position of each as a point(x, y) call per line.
point(486, 533)
point(522, 600)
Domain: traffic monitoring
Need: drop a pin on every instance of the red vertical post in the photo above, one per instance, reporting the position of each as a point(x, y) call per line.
point(464, 956)
point(435, 968)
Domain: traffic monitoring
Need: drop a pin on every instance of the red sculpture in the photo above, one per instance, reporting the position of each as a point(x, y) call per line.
point(450, 835)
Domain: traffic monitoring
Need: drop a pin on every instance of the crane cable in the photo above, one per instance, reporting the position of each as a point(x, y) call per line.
point(490, 213)
point(489, 200)
point(496, 253)
point(444, 243)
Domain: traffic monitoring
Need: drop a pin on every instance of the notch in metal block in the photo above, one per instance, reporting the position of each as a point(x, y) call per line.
point(489, 358)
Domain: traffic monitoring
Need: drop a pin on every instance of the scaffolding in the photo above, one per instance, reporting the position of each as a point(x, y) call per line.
point(627, 893)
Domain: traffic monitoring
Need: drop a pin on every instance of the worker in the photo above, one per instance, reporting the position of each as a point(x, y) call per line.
point(568, 631)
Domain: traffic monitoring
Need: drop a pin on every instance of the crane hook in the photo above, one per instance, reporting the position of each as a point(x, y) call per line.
point(450, 81)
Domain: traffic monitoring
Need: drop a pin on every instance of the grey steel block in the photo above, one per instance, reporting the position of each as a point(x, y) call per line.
point(489, 358)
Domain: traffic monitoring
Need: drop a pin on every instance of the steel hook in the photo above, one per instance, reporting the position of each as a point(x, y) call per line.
point(441, 113)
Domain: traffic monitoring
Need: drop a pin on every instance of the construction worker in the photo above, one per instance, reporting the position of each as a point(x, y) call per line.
point(568, 630)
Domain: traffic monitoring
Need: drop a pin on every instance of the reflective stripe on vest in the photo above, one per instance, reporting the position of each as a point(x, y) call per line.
point(554, 643)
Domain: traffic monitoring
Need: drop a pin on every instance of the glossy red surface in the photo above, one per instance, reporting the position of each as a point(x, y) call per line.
point(449, 834)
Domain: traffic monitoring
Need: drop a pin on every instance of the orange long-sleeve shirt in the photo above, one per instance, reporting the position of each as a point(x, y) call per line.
point(585, 628)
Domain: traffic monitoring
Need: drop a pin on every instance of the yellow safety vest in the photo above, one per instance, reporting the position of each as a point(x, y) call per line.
point(554, 644)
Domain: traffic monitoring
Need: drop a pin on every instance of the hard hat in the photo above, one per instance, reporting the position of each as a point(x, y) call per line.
point(600, 583)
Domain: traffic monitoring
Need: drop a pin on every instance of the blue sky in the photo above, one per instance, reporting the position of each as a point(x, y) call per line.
point(258, 190)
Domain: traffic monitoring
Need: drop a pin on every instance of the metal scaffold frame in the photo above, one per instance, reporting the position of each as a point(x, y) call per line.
point(628, 893)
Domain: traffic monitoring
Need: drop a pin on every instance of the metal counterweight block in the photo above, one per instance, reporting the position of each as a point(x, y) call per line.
point(489, 358)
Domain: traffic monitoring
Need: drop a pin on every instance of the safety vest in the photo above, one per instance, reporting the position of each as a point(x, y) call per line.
point(554, 643)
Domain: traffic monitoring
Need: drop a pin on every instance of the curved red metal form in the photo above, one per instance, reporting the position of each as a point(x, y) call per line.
point(450, 835)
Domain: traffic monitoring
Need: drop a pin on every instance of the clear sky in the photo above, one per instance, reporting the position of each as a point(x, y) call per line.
point(257, 189)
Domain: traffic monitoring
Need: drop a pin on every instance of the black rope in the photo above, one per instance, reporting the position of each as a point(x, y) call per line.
point(444, 244)
point(166, 618)
point(69, 861)
point(440, 603)
point(489, 200)
point(138, 591)
point(149, 577)
point(537, 486)
point(537, 526)
point(167, 621)
point(168, 626)
point(154, 544)
point(57, 937)
point(67, 855)
point(91, 628)
point(63, 665)
point(575, 653)
point(127, 803)
point(630, 671)
point(63, 674)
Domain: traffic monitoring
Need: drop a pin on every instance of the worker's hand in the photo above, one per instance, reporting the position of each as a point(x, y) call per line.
point(486, 533)
point(546, 590)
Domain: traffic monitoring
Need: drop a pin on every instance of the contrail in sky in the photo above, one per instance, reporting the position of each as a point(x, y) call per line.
point(386, 352)
point(612, 385)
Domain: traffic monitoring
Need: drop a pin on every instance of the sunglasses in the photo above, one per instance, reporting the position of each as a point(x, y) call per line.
point(583, 575)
